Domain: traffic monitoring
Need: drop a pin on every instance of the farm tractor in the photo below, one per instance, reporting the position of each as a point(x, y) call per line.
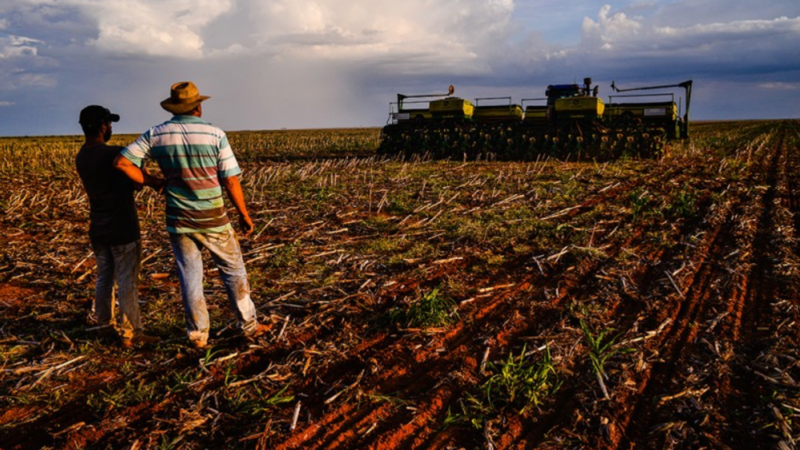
point(570, 121)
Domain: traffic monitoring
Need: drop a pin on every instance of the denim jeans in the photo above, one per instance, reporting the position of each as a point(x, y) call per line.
point(227, 256)
point(118, 263)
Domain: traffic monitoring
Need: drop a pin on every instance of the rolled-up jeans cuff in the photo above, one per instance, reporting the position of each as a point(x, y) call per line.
point(198, 335)
point(248, 327)
point(126, 333)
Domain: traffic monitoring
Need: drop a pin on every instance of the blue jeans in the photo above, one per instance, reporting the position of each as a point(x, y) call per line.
point(227, 256)
point(118, 263)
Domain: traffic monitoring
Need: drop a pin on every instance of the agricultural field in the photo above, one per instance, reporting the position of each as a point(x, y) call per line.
point(437, 304)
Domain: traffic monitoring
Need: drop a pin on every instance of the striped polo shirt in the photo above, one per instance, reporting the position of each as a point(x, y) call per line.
point(193, 156)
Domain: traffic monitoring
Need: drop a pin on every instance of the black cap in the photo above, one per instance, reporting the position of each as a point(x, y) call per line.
point(96, 115)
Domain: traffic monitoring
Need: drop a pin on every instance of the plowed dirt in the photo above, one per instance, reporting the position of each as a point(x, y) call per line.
point(664, 293)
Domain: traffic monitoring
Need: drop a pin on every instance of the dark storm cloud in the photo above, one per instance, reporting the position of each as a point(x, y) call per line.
point(303, 63)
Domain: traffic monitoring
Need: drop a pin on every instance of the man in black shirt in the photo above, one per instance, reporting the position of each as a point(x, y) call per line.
point(114, 225)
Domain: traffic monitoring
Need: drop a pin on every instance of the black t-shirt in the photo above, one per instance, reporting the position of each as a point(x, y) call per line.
point(112, 208)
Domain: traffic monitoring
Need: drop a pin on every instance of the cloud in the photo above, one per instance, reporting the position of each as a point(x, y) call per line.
point(619, 32)
point(742, 30)
point(780, 86)
point(18, 46)
point(413, 35)
point(124, 27)
point(646, 46)
point(309, 63)
point(5, 103)
point(444, 33)
point(688, 13)
point(21, 66)
point(610, 29)
point(153, 27)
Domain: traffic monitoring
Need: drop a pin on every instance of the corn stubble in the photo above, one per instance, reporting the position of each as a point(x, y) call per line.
point(422, 303)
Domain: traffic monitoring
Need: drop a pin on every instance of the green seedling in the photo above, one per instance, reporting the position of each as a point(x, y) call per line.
point(639, 199)
point(683, 205)
point(518, 383)
point(269, 403)
point(601, 349)
point(521, 382)
point(432, 310)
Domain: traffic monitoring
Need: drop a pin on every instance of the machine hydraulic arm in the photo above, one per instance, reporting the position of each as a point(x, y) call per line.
point(686, 85)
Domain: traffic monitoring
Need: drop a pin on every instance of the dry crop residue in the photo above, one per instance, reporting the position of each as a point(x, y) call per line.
point(436, 304)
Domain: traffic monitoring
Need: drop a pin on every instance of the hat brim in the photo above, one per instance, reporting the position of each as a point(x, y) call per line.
point(182, 108)
point(113, 118)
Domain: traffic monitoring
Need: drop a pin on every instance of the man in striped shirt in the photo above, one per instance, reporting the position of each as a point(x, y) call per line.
point(198, 162)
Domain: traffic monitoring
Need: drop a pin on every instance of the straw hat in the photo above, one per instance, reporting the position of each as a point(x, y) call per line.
point(183, 97)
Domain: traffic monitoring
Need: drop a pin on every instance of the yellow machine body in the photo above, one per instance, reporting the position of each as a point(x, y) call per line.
point(412, 114)
point(498, 113)
point(536, 115)
point(452, 108)
point(649, 111)
point(582, 107)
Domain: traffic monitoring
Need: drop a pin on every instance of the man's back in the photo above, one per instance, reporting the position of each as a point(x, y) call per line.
point(193, 155)
point(112, 209)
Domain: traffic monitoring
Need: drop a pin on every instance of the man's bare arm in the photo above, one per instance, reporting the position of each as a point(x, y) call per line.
point(235, 193)
point(136, 174)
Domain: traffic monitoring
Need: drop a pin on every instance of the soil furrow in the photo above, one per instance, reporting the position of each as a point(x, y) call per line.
point(704, 369)
point(690, 308)
point(751, 325)
point(507, 305)
point(586, 286)
point(485, 315)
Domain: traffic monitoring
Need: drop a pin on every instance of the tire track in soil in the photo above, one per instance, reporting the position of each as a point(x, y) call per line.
point(791, 201)
point(743, 391)
point(487, 315)
point(676, 343)
point(750, 332)
point(759, 283)
point(543, 424)
point(624, 313)
point(701, 368)
point(793, 184)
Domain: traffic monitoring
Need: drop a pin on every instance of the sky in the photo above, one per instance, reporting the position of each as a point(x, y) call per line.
point(272, 64)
